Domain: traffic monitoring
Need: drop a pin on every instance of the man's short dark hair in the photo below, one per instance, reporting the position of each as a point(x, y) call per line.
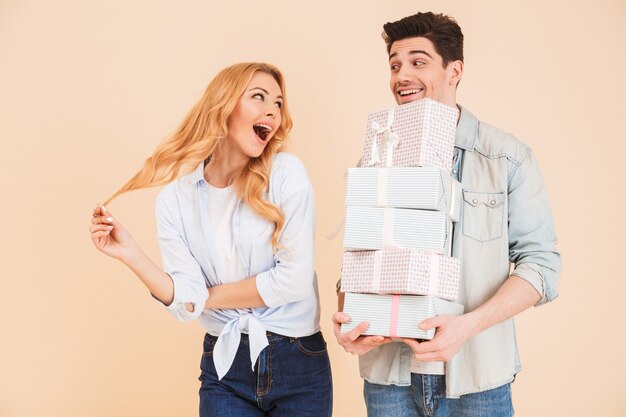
point(443, 31)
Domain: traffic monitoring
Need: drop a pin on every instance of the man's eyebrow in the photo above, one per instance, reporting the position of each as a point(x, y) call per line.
point(264, 90)
point(413, 52)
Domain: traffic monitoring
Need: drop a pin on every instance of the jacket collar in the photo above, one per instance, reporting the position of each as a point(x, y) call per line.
point(466, 130)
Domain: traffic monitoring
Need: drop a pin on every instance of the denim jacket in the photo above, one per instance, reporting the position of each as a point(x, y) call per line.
point(506, 221)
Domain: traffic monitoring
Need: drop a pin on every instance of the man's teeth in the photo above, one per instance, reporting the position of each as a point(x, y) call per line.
point(407, 92)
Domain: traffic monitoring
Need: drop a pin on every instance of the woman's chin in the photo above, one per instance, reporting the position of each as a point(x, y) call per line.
point(255, 153)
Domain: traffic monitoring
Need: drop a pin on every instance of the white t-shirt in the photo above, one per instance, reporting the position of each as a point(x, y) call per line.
point(222, 205)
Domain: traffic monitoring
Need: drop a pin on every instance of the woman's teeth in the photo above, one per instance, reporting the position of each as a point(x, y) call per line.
point(262, 130)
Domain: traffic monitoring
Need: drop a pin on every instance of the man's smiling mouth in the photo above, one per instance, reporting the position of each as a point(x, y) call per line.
point(409, 92)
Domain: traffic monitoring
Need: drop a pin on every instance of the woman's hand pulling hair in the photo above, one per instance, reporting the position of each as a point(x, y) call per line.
point(109, 236)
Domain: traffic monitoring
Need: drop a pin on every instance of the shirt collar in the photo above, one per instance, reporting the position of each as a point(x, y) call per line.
point(466, 130)
point(197, 175)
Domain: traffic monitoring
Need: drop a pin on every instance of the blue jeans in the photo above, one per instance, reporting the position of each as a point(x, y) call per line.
point(291, 378)
point(426, 396)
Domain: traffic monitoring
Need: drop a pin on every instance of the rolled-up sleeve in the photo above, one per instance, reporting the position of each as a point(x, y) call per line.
point(292, 277)
point(532, 239)
point(178, 262)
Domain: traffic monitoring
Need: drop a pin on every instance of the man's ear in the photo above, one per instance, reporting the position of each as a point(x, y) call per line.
point(455, 72)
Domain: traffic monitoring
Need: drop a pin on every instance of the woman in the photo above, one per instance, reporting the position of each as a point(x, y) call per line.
point(242, 224)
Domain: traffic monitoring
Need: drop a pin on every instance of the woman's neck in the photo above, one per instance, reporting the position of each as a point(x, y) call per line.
point(222, 167)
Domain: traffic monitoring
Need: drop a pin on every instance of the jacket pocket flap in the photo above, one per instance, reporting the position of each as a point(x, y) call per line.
point(475, 198)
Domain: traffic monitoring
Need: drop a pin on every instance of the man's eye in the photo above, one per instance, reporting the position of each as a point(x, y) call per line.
point(395, 67)
point(418, 63)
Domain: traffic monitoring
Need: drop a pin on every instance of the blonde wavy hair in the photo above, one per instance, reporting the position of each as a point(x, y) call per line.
point(201, 132)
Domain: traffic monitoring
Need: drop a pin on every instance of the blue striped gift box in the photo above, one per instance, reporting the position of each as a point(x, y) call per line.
point(410, 310)
point(423, 188)
point(372, 228)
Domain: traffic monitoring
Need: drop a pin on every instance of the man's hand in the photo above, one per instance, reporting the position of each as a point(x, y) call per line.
point(352, 341)
point(451, 333)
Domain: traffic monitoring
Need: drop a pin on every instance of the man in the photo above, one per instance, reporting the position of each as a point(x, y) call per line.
point(506, 220)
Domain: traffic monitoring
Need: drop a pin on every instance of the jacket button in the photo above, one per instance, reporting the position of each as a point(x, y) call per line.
point(492, 202)
point(475, 201)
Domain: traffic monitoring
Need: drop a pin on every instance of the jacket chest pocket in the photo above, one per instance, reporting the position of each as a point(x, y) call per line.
point(483, 215)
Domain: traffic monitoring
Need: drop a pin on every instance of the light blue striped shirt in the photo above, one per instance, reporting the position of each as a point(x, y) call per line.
point(285, 280)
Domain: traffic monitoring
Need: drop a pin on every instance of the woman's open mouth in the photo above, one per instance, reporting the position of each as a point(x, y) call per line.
point(262, 130)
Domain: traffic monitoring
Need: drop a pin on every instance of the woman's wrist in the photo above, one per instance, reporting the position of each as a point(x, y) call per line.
point(132, 256)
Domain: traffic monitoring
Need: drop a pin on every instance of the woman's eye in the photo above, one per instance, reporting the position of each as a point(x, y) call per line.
point(259, 96)
point(279, 104)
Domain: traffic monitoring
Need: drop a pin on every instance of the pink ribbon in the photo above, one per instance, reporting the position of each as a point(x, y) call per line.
point(393, 321)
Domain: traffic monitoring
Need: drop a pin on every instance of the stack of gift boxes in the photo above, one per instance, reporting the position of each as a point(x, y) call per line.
point(400, 204)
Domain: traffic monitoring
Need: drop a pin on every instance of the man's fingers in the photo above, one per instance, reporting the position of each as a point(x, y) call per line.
point(337, 329)
point(340, 317)
point(353, 334)
point(364, 344)
point(424, 349)
point(427, 347)
point(411, 342)
point(375, 340)
point(354, 341)
point(433, 322)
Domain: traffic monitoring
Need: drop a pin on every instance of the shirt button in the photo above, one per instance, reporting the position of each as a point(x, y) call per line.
point(454, 171)
point(475, 201)
point(492, 202)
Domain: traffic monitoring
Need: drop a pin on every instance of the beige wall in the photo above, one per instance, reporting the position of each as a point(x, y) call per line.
point(87, 89)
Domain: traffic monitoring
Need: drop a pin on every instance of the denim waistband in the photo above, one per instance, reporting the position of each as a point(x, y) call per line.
point(271, 336)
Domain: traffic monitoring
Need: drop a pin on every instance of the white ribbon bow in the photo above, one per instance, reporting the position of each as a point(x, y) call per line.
point(389, 139)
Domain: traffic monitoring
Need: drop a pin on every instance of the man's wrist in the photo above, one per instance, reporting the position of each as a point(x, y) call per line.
point(473, 321)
